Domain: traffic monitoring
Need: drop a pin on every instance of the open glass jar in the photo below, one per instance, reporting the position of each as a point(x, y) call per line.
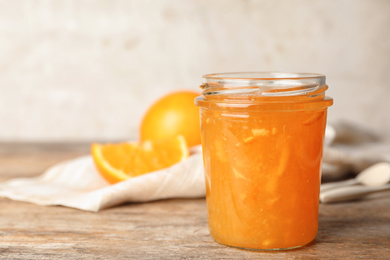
point(262, 137)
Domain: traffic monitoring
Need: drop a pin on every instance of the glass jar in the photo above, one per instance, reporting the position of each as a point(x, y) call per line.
point(262, 137)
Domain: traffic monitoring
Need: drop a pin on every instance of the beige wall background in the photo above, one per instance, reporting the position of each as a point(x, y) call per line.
point(87, 70)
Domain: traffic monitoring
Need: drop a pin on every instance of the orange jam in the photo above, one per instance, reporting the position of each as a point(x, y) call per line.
point(262, 138)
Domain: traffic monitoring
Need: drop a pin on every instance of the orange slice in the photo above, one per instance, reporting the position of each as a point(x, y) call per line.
point(121, 161)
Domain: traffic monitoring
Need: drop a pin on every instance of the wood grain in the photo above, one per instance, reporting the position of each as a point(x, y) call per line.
point(167, 229)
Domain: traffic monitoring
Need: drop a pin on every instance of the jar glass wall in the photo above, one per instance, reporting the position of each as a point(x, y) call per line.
point(262, 138)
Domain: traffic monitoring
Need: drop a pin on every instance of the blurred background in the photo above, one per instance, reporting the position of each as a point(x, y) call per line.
point(88, 70)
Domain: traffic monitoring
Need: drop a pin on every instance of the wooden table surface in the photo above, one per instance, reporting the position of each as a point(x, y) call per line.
point(167, 229)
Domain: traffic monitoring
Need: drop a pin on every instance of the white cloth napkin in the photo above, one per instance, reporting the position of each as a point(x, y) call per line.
point(351, 148)
point(77, 184)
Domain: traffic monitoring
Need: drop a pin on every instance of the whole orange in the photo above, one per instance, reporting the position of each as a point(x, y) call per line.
point(173, 114)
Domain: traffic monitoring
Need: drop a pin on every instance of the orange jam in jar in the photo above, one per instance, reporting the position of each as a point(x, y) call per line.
point(262, 138)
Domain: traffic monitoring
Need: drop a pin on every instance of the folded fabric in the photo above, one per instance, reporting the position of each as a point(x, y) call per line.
point(348, 149)
point(77, 184)
point(351, 148)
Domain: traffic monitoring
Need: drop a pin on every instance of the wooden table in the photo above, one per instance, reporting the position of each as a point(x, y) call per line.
point(168, 229)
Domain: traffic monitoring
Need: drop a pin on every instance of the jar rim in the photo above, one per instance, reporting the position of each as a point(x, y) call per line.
point(268, 83)
point(257, 75)
point(269, 90)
